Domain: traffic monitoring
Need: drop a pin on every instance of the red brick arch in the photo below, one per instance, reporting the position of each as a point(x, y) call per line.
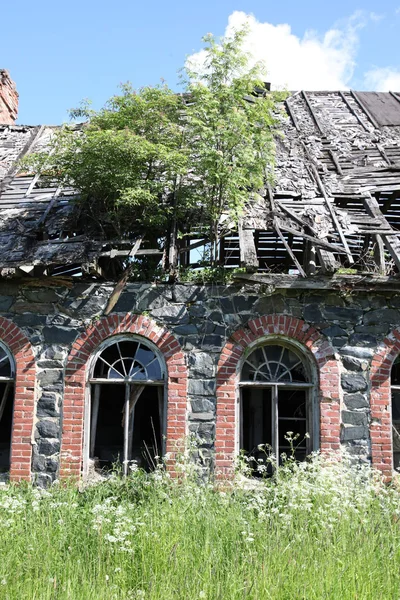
point(76, 380)
point(381, 417)
point(24, 399)
point(227, 379)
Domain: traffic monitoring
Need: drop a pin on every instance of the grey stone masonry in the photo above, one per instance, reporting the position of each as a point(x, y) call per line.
point(202, 318)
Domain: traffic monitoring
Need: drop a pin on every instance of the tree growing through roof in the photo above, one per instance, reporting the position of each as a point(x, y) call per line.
point(163, 164)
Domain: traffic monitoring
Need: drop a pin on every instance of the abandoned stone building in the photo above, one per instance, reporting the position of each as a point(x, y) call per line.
point(306, 337)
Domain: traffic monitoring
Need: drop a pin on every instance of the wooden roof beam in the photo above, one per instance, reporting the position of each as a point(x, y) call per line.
point(316, 241)
point(329, 206)
point(288, 248)
point(353, 112)
point(313, 113)
point(292, 115)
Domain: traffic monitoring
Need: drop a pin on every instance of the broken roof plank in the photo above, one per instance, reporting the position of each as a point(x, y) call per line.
point(327, 260)
point(36, 133)
point(117, 291)
point(360, 282)
point(288, 248)
point(391, 242)
point(335, 161)
point(379, 255)
point(314, 240)
point(294, 216)
point(313, 113)
point(330, 207)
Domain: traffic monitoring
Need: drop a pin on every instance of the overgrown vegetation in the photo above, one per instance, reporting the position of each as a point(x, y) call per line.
point(166, 164)
point(313, 531)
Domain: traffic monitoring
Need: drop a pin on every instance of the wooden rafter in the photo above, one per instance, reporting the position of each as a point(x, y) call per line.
point(353, 112)
point(288, 248)
point(330, 208)
point(313, 113)
point(117, 291)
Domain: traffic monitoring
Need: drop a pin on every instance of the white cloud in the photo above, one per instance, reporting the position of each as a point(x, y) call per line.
point(376, 16)
point(383, 79)
point(311, 62)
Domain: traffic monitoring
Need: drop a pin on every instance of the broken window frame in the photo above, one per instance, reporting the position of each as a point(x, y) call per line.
point(310, 388)
point(9, 381)
point(94, 386)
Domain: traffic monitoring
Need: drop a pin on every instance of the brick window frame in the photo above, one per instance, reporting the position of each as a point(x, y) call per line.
point(381, 403)
point(284, 328)
point(24, 399)
point(76, 385)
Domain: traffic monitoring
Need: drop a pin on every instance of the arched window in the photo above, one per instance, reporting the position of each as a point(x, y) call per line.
point(275, 399)
point(395, 384)
point(7, 378)
point(125, 418)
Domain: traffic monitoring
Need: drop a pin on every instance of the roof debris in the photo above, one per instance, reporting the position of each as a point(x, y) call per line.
point(335, 202)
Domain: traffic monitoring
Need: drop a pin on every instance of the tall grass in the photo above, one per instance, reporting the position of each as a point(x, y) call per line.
point(314, 531)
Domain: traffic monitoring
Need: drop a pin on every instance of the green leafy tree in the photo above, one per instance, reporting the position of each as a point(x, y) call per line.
point(158, 163)
point(231, 126)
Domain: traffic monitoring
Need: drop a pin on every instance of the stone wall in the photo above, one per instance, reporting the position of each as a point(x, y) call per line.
point(202, 318)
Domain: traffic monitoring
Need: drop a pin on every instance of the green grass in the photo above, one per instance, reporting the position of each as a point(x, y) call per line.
point(315, 532)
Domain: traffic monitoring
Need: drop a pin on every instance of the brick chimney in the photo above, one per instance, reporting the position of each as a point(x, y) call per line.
point(8, 99)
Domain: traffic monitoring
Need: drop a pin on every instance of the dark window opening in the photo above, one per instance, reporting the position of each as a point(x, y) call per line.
point(264, 431)
point(127, 408)
point(6, 418)
point(395, 381)
point(275, 406)
point(108, 431)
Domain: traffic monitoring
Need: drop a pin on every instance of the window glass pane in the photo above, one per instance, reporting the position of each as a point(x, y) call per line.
point(274, 363)
point(396, 428)
point(107, 425)
point(292, 403)
point(257, 423)
point(6, 405)
point(128, 359)
point(396, 405)
point(6, 368)
point(292, 418)
point(296, 427)
point(395, 375)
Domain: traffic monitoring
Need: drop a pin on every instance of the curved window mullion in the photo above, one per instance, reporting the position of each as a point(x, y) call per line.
point(122, 359)
point(286, 372)
point(267, 362)
point(279, 363)
point(108, 364)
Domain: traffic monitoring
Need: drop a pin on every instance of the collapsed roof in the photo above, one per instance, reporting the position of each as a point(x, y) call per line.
point(335, 204)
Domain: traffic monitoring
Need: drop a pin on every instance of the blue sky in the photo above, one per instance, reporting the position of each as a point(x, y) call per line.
point(59, 53)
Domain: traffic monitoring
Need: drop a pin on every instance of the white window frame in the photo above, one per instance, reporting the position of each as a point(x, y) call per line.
point(93, 384)
point(311, 388)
